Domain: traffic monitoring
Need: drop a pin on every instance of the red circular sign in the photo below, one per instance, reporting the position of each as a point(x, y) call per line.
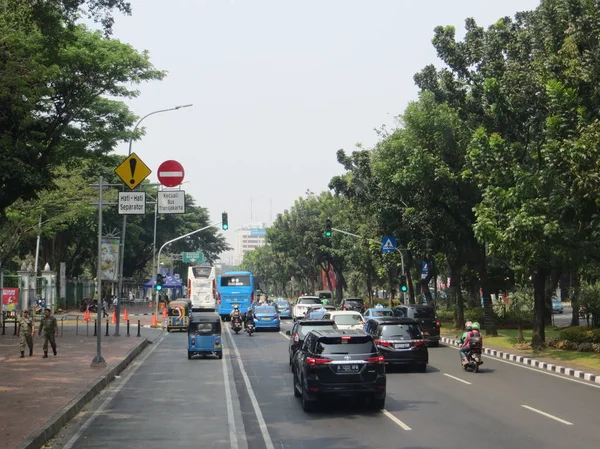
point(170, 173)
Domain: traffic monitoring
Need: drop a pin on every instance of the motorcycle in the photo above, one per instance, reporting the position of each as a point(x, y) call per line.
point(236, 325)
point(474, 357)
point(250, 328)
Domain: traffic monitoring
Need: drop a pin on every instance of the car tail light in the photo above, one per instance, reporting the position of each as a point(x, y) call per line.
point(383, 343)
point(276, 316)
point(317, 361)
point(437, 323)
point(219, 299)
point(346, 337)
point(296, 338)
point(377, 359)
point(344, 307)
point(193, 342)
point(218, 340)
point(420, 343)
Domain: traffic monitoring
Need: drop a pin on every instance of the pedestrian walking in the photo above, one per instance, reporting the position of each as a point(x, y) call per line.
point(49, 327)
point(26, 333)
point(104, 307)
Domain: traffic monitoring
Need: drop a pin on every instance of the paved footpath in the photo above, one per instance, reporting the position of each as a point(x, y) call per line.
point(38, 396)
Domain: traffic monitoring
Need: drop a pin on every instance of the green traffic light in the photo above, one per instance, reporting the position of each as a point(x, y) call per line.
point(328, 233)
point(159, 287)
point(225, 227)
point(404, 288)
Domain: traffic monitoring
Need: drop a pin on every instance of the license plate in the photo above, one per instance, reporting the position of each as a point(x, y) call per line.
point(265, 318)
point(348, 368)
point(402, 345)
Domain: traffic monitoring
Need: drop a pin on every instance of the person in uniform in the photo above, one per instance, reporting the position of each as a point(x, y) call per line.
point(49, 327)
point(26, 333)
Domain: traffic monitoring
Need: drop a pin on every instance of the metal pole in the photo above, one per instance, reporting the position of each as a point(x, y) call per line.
point(124, 226)
point(168, 243)
point(154, 246)
point(37, 248)
point(99, 360)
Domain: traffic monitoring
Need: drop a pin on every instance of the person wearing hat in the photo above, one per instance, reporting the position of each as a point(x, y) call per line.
point(26, 333)
point(49, 327)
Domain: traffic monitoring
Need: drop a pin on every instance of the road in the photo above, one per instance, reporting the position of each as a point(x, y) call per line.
point(246, 401)
point(563, 319)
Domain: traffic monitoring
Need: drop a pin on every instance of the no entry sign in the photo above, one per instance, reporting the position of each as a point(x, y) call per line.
point(170, 173)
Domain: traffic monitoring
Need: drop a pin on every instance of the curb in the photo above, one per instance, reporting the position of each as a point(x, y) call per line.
point(544, 366)
point(48, 430)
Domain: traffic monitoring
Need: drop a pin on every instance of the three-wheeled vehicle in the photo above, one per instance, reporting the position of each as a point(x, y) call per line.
point(204, 336)
point(178, 315)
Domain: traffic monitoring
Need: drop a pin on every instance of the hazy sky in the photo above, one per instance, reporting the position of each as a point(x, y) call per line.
point(278, 86)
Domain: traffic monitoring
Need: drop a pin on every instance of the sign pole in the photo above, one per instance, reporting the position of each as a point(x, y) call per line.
point(99, 360)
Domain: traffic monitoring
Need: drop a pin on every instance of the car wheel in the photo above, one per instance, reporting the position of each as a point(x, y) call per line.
point(220, 355)
point(189, 355)
point(435, 344)
point(378, 404)
point(297, 394)
point(307, 406)
point(278, 329)
point(422, 368)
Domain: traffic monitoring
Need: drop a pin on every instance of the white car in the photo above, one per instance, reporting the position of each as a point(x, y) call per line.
point(346, 319)
point(302, 306)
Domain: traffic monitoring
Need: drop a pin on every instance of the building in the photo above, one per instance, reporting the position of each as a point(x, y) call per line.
point(248, 238)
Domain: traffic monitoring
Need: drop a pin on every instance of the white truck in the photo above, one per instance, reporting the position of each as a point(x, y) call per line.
point(303, 304)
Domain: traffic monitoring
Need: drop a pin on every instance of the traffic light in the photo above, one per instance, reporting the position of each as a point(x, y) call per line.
point(403, 286)
point(160, 280)
point(328, 227)
point(224, 223)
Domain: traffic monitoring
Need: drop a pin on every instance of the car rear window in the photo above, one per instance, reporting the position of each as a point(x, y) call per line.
point(403, 331)
point(305, 329)
point(348, 320)
point(382, 313)
point(424, 313)
point(356, 302)
point(345, 345)
point(265, 309)
point(309, 301)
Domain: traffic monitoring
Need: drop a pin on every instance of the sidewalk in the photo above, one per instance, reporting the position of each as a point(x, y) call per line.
point(38, 396)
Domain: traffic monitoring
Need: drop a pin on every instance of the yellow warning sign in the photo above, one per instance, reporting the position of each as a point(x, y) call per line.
point(133, 171)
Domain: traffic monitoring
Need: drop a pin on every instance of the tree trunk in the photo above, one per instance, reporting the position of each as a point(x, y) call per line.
point(521, 337)
point(538, 336)
point(575, 284)
point(456, 293)
point(488, 310)
point(370, 288)
point(552, 285)
point(411, 288)
point(340, 283)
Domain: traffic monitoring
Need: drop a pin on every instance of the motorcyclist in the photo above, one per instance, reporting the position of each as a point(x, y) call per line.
point(235, 314)
point(466, 345)
point(248, 317)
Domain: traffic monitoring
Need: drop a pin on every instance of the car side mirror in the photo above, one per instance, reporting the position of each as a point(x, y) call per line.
point(288, 333)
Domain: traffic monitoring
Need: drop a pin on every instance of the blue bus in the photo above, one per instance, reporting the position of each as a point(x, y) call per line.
point(235, 287)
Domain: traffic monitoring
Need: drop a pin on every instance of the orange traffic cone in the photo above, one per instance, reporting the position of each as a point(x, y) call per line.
point(165, 313)
point(86, 316)
point(126, 315)
point(154, 322)
point(114, 317)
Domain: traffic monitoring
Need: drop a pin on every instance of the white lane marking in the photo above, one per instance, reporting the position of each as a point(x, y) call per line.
point(232, 429)
point(537, 370)
point(396, 420)
point(257, 411)
point(281, 333)
point(111, 396)
point(456, 378)
point(547, 415)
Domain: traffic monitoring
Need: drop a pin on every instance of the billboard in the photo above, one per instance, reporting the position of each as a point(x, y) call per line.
point(10, 299)
point(110, 259)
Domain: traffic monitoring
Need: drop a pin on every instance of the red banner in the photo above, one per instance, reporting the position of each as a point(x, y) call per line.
point(331, 277)
point(10, 299)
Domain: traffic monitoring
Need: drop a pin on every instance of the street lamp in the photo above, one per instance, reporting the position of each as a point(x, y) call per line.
point(124, 228)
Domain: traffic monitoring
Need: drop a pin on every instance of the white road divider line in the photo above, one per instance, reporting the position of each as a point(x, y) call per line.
point(547, 415)
point(396, 420)
point(456, 378)
point(230, 418)
point(135, 364)
point(281, 333)
point(259, 417)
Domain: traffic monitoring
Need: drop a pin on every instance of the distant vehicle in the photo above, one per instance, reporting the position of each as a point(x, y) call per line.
point(356, 304)
point(283, 307)
point(377, 312)
point(339, 363)
point(235, 287)
point(426, 317)
point(346, 319)
point(324, 295)
point(266, 317)
point(317, 312)
point(202, 288)
point(557, 306)
point(303, 304)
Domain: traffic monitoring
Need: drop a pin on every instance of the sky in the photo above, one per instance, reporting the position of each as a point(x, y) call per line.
point(277, 87)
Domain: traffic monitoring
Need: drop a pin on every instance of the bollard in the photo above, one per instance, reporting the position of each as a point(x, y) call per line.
point(128, 329)
point(95, 328)
point(87, 328)
point(62, 325)
point(106, 328)
point(139, 335)
point(15, 328)
point(3, 326)
point(77, 325)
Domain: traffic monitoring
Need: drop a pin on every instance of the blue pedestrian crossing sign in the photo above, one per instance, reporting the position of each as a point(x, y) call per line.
point(388, 244)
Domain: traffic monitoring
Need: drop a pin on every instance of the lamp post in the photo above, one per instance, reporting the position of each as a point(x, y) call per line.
point(124, 227)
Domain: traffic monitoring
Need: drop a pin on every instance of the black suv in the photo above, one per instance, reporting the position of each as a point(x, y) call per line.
point(426, 317)
point(356, 304)
point(400, 341)
point(303, 327)
point(339, 363)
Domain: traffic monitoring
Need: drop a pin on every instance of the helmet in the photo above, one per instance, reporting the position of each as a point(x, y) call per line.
point(236, 307)
point(475, 325)
point(468, 325)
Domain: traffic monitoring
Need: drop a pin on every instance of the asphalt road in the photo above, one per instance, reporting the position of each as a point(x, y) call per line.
point(164, 400)
point(563, 319)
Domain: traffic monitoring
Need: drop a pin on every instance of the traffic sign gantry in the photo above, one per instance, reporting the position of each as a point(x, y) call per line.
point(197, 256)
point(133, 171)
point(170, 173)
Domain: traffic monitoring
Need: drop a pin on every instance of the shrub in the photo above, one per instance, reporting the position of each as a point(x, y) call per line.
point(474, 315)
point(445, 315)
point(585, 347)
point(580, 334)
point(552, 342)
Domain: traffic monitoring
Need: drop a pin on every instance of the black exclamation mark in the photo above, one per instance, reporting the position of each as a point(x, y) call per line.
point(132, 164)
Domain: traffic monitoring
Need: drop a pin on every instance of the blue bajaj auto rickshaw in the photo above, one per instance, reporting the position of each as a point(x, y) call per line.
point(204, 336)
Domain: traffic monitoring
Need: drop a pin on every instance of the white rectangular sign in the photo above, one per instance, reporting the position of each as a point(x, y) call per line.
point(171, 202)
point(132, 203)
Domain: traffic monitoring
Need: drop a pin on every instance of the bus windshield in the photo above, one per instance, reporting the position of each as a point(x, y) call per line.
point(201, 272)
